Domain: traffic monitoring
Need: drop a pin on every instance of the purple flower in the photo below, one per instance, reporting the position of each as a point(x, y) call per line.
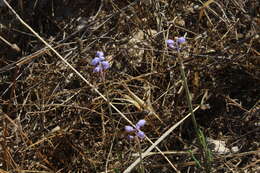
point(97, 69)
point(95, 61)
point(129, 129)
point(100, 54)
point(140, 134)
point(105, 65)
point(130, 137)
point(100, 62)
point(136, 130)
point(140, 123)
point(176, 44)
point(181, 40)
point(170, 43)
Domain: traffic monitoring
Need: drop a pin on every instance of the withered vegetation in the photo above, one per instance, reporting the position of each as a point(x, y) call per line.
point(52, 121)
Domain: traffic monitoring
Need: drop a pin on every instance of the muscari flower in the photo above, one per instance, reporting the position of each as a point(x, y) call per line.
point(105, 64)
point(99, 62)
point(95, 61)
point(136, 130)
point(100, 54)
point(176, 44)
point(171, 43)
point(140, 123)
point(129, 129)
point(181, 40)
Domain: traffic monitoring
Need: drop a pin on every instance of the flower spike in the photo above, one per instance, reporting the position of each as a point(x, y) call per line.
point(136, 130)
point(100, 62)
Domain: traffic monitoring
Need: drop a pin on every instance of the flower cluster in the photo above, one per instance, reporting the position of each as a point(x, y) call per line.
point(136, 130)
point(175, 44)
point(100, 62)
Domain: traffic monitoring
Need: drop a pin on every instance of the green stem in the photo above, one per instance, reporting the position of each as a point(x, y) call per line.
point(199, 134)
point(188, 97)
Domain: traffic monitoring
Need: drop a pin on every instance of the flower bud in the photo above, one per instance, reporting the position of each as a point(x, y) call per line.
point(129, 129)
point(100, 54)
point(140, 123)
point(140, 134)
point(181, 40)
point(105, 64)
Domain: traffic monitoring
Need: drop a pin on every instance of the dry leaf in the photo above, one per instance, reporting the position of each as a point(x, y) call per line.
point(205, 5)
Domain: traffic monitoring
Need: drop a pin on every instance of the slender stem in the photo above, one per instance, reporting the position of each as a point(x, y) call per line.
point(199, 134)
point(140, 154)
point(187, 94)
point(103, 77)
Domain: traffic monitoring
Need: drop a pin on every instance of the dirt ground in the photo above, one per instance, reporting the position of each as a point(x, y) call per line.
point(54, 121)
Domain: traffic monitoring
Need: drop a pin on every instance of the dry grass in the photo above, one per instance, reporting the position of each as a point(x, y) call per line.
point(55, 120)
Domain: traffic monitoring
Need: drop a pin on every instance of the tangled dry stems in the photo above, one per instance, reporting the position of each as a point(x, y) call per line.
point(52, 121)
